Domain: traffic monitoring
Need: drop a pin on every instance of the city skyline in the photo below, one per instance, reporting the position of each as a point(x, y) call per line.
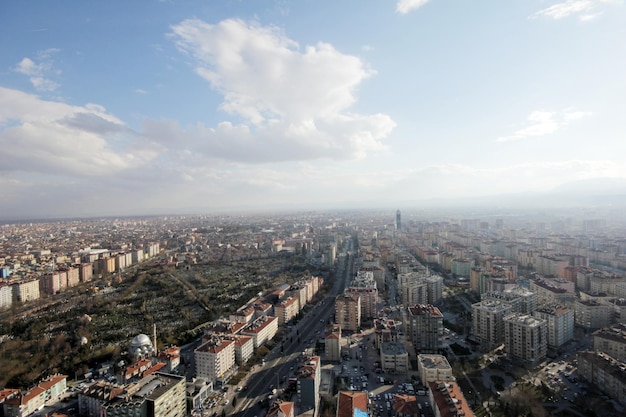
point(163, 107)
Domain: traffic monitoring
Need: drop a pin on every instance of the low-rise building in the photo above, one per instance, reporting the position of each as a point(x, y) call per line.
point(406, 406)
point(156, 395)
point(448, 400)
point(198, 391)
point(18, 404)
point(352, 404)
point(281, 409)
point(433, 368)
point(394, 358)
point(385, 330)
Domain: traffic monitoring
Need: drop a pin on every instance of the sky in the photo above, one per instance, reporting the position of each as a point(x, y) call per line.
point(117, 107)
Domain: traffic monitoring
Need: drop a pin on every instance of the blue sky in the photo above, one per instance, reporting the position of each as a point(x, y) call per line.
point(124, 107)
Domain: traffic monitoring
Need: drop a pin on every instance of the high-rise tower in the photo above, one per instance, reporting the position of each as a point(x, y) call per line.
point(398, 220)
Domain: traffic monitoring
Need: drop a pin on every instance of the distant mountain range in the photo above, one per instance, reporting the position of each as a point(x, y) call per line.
point(598, 193)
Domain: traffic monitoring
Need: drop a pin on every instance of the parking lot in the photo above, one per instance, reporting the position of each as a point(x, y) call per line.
point(360, 370)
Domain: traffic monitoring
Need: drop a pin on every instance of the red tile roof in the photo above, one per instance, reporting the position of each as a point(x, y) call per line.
point(348, 401)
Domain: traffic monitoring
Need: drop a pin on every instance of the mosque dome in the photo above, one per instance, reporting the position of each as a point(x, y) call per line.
point(141, 345)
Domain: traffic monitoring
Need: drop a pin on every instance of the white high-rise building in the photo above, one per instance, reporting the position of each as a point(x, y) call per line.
point(215, 360)
point(560, 321)
point(424, 327)
point(488, 322)
point(526, 337)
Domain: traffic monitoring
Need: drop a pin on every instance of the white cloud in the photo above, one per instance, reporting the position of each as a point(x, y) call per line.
point(542, 123)
point(405, 6)
point(585, 10)
point(27, 67)
point(39, 71)
point(43, 84)
point(59, 139)
point(294, 102)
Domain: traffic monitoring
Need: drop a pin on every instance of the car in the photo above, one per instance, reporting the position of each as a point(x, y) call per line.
point(239, 389)
point(225, 402)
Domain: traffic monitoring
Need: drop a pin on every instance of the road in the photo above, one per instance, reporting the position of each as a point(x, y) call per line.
point(280, 364)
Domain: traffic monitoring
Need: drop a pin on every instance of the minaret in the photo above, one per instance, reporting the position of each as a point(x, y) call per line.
point(154, 340)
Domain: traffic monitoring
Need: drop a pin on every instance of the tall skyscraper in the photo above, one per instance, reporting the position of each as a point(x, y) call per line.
point(398, 220)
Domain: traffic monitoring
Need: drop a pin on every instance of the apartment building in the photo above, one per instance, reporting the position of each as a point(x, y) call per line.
point(521, 300)
point(431, 368)
point(424, 328)
point(309, 379)
point(332, 343)
point(25, 404)
point(262, 330)
point(526, 337)
point(244, 348)
point(85, 272)
point(394, 358)
point(447, 400)
point(242, 315)
point(434, 284)
point(612, 341)
point(552, 291)
point(488, 322)
point(22, 404)
point(352, 404)
point(604, 372)
point(414, 292)
point(26, 290)
point(462, 266)
point(420, 288)
point(6, 296)
point(560, 321)
point(618, 306)
point(385, 330)
point(591, 314)
point(156, 395)
point(405, 405)
point(348, 311)
point(53, 283)
point(605, 283)
point(286, 310)
point(369, 297)
point(215, 360)
point(300, 292)
point(552, 265)
point(281, 409)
